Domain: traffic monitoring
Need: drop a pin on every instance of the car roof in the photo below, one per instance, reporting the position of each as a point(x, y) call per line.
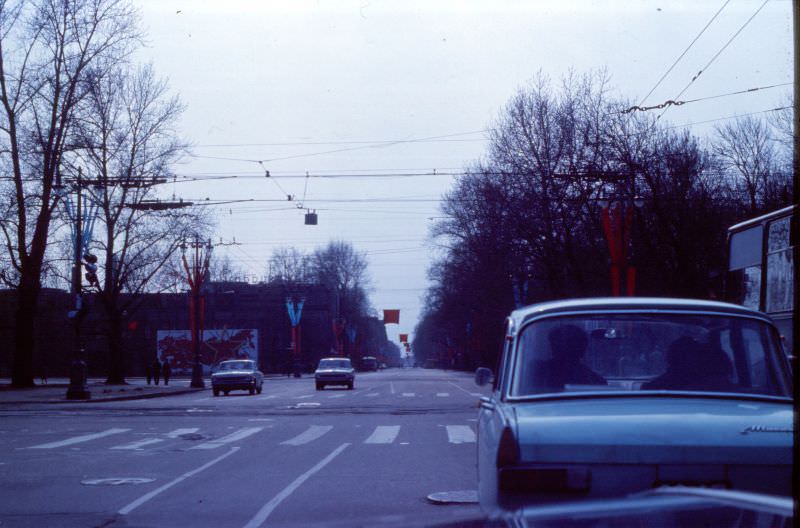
point(649, 304)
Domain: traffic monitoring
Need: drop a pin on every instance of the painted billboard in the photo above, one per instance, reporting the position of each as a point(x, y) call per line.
point(216, 345)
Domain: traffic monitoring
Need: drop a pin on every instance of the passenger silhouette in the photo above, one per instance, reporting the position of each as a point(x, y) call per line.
point(693, 366)
point(568, 345)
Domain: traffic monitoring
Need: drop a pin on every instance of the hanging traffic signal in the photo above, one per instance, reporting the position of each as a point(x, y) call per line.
point(90, 265)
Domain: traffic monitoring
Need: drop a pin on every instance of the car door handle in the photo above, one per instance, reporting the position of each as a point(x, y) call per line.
point(486, 403)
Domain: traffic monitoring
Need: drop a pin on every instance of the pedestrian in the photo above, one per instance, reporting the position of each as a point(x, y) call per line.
point(166, 370)
point(43, 374)
point(148, 371)
point(156, 371)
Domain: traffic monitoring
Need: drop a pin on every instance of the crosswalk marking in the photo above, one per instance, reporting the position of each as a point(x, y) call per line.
point(408, 394)
point(309, 435)
point(178, 432)
point(442, 394)
point(304, 396)
point(233, 437)
point(460, 434)
point(80, 439)
point(139, 443)
point(335, 396)
point(383, 434)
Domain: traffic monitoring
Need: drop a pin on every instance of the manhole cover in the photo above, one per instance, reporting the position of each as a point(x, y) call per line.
point(454, 497)
point(116, 481)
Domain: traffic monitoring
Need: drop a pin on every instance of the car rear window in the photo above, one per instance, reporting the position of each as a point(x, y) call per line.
point(648, 352)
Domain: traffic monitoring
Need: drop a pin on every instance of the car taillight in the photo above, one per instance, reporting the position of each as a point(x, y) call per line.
point(508, 450)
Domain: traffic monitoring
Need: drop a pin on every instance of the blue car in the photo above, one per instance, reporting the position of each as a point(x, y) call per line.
point(605, 397)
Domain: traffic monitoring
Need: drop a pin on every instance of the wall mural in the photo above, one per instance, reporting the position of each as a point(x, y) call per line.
point(216, 345)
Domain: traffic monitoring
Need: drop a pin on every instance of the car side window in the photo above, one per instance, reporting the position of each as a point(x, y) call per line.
point(502, 360)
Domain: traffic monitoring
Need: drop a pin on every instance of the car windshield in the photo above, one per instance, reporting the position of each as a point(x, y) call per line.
point(236, 365)
point(648, 353)
point(334, 363)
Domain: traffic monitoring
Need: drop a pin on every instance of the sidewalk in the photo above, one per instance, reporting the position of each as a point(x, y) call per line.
point(55, 391)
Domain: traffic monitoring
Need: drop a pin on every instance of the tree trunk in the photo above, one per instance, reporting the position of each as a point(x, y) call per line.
point(116, 356)
point(27, 302)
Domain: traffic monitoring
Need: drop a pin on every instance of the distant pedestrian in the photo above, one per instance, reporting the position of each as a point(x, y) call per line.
point(156, 371)
point(43, 374)
point(148, 371)
point(166, 370)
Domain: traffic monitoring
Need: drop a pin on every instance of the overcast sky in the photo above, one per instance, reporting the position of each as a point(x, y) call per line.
point(286, 83)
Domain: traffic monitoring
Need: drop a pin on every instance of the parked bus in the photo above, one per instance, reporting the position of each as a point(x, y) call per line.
point(761, 268)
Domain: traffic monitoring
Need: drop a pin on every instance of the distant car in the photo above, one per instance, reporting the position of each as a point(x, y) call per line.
point(369, 364)
point(334, 371)
point(603, 397)
point(237, 374)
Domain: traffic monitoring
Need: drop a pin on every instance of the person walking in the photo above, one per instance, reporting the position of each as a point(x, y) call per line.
point(148, 371)
point(156, 371)
point(166, 370)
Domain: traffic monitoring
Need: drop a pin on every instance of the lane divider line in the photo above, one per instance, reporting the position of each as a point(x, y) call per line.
point(147, 496)
point(269, 507)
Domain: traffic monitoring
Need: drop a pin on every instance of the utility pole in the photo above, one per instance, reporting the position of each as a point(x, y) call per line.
point(196, 275)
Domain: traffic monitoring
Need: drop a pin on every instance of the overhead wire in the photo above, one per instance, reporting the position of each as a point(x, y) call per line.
point(716, 55)
point(675, 63)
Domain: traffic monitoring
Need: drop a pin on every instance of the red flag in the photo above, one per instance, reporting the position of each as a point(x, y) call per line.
point(404, 338)
point(391, 317)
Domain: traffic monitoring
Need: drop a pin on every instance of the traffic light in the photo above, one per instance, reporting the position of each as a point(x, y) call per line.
point(90, 264)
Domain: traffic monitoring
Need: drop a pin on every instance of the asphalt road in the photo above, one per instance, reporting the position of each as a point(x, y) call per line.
point(289, 456)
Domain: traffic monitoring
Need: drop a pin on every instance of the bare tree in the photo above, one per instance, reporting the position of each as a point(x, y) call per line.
point(290, 267)
point(225, 269)
point(343, 270)
point(47, 49)
point(746, 149)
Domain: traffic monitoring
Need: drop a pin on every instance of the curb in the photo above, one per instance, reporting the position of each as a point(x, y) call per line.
point(127, 397)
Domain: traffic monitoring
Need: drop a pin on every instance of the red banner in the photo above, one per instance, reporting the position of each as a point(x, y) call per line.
point(391, 317)
point(404, 338)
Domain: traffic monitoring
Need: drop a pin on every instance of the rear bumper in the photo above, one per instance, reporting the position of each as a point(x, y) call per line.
point(234, 384)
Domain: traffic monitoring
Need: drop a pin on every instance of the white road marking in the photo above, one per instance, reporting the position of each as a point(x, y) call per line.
point(442, 394)
point(270, 396)
point(309, 435)
point(146, 497)
point(233, 437)
point(178, 432)
point(335, 396)
point(304, 396)
point(408, 394)
point(462, 389)
point(460, 434)
point(269, 507)
point(383, 434)
point(79, 439)
point(391, 387)
point(139, 444)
